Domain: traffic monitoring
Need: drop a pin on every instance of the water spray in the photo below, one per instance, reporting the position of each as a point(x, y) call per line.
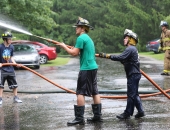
point(26, 32)
point(14, 28)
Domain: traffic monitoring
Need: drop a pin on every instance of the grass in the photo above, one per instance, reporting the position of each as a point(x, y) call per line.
point(60, 60)
point(64, 59)
point(159, 56)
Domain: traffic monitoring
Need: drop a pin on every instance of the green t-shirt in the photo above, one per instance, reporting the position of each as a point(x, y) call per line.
point(87, 52)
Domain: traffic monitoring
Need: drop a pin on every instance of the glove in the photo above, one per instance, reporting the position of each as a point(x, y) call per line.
point(161, 42)
point(104, 55)
point(160, 49)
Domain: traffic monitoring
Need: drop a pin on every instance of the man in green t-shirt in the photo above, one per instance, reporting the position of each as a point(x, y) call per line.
point(87, 78)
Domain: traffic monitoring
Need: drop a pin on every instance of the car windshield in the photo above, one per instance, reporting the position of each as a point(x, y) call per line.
point(25, 48)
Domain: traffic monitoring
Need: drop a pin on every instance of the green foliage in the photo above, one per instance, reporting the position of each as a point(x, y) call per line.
point(54, 19)
point(168, 19)
point(159, 56)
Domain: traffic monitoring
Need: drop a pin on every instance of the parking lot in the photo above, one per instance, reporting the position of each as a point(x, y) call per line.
point(51, 111)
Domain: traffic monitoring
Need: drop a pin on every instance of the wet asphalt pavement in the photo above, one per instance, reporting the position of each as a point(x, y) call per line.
point(51, 111)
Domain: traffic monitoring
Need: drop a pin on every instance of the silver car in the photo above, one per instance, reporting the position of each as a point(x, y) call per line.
point(27, 55)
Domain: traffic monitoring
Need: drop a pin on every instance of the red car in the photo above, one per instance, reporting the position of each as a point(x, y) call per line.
point(46, 53)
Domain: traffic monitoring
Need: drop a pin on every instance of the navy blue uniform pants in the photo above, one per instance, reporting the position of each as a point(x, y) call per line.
point(133, 99)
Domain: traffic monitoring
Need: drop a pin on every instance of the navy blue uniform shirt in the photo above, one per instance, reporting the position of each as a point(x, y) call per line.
point(130, 59)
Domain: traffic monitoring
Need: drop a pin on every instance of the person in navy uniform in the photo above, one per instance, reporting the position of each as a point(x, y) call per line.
point(130, 60)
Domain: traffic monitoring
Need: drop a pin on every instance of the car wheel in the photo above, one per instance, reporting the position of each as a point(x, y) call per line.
point(156, 52)
point(37, 66)
point(43, 59)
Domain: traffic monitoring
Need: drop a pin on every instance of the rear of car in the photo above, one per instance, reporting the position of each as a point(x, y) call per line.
point(27, 55)
point(46, 53)
point(153, 45)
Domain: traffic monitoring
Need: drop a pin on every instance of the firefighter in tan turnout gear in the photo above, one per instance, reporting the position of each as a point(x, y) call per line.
point(165, 46)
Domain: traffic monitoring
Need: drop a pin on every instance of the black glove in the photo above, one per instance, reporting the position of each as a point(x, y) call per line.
point(161, 42)
point(104, 55)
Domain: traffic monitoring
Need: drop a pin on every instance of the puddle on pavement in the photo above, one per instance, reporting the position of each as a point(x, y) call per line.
point(52, 111)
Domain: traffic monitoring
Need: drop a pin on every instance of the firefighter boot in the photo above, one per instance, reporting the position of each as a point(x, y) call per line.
point(124, 115)
point(139, 107)
point(129, 109)
point(166, 74)
point(97, 113)
point(79, 116)
point(139, 115)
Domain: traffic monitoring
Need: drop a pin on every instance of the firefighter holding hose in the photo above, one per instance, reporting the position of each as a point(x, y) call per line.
point(130, 59)
point(7, 72)
point(87, 78)
point(165, 46)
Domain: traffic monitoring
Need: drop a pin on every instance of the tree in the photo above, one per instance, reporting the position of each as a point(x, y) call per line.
point(36, 16)
point(54, 19)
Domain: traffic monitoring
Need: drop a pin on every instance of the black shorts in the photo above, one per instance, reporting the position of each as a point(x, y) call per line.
point(10, 77)
point(87, 83)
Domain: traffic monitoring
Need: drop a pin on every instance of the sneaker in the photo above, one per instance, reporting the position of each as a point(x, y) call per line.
point(17, 100)
point(0, 101)
point(123, 116)
point(139, 115)
point(166, 74)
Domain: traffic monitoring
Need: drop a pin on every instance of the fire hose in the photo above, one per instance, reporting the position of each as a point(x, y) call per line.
point(70, 91)
point(97, 55)
point(109, 97)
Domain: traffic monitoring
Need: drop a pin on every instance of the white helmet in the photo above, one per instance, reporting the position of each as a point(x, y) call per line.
point(163, 23)
point(131, 34)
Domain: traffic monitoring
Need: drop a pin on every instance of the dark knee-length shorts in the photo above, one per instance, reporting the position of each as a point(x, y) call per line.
point(10, 77)
point(87, 83)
